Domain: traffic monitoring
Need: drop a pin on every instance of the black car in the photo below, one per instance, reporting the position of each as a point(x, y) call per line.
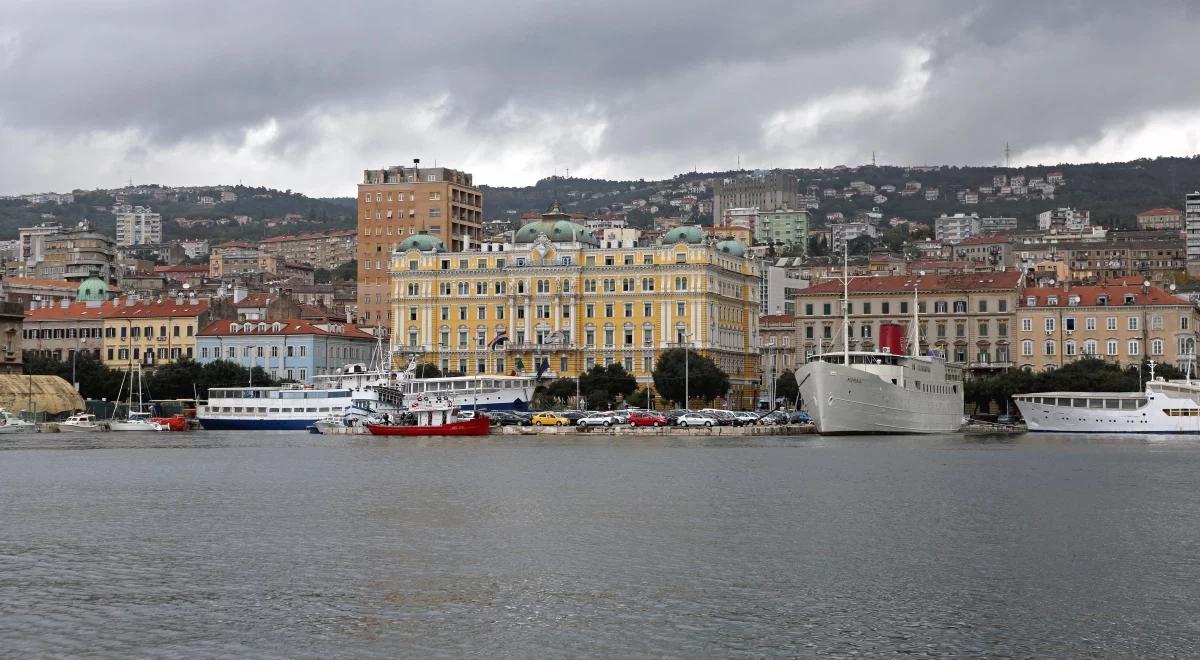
point(504, 418)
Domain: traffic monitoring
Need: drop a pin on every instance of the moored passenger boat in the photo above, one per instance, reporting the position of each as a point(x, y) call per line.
point(270, 408)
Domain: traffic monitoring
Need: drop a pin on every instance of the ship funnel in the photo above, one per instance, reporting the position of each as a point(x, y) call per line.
point(891, 338)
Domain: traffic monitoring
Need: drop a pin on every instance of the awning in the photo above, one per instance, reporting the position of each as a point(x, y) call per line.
point(43, 394)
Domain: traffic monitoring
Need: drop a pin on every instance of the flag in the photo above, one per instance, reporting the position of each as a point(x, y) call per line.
point(543, 367)
point(499, 340)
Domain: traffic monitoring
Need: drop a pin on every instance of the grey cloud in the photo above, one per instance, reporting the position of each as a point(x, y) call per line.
point(674, 84)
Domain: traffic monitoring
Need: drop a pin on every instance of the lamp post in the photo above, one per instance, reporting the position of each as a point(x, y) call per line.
point(1140, 358)
point(771, 387)
point(74, 380)
point(687, 349)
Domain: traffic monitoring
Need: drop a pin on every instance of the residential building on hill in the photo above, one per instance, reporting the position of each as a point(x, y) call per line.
point(1119, 323)
point(1064, 220)
point(994, 252)
point(399, 202)
point(783, 226)
point(326, 250)
point(290, 349)
point(554, 301)
point(844, 232)
point(1160, 218)
point(968, 318)
point(956, 228)
point(764, 192)
point(78, 254)
point(1160, 262)
point(33, 245)
point(137, 225)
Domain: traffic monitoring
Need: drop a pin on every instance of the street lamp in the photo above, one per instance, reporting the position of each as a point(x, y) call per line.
point(687, 349)
point(1140, 358)
point(74, 380)
point(774, 355)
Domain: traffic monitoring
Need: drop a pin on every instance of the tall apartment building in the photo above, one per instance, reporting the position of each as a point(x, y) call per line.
point(1191, 225)
point(766, 192)
point(399, 202)
point(564, 301)
point(1065, 219)
point(956, 228)
point(137, 225)
point(33, 245)
point(1121, 324)
point(844, 232)
point(320, 249)
point(78, 254)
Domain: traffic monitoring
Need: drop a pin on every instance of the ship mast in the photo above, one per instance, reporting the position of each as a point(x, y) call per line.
point(914, 341)
point(846, 302)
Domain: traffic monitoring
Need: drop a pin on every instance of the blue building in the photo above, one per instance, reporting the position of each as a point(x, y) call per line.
point(293, 349)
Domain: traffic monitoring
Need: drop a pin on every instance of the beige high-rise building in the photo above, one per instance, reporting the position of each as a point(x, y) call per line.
point(399, 202)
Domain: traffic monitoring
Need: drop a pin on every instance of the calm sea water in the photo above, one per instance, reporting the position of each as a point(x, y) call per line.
point(290, 545)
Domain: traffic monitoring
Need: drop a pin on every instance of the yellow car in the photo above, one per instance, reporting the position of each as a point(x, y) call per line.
point(550, 419)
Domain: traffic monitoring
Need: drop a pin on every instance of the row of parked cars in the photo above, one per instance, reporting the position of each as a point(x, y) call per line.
point(635, 417)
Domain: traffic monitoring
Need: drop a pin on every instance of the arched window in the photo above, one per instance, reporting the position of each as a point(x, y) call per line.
point(1049, 348)
point(1090, 347)
point(1069, 347)
point(1156, 347)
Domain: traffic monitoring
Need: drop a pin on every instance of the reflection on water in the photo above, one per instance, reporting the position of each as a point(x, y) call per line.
point(292, 545)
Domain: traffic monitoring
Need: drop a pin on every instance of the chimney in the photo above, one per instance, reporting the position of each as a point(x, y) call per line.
point(179, 299)
point(65, 304)
point(239, 293)
point(130, 300)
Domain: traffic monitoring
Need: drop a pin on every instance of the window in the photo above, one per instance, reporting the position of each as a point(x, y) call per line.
point(499, 312)
point(1027, 347)
point(865, 331)
point(1111, 322)
point(826, 309)
point(983, 328)
point(1156, 347)
point(886, 308)
point(589, 337)
point(680, 309)
point(983, 306)
point(274, 351)
point(1049, 348)
point(1069, 347)
point(1111, 347)
point(940, 307)
point(904, 307)
point(1090, 347)
point(566, 311)
point(1069, 324)
point(1133, 323)
point(291, 351)
point(412, 313)
point(462, 312)
point(1135, 347)
point(203, 351)
point(1089, 323)
point(1183, 323)
point(648, 336)
point(647, 309)
point(628, 310)
point(1049, 325)
point(866, 308)
point(960, 307)
point(608, 310)
point(589, 310)
point(1001, 328)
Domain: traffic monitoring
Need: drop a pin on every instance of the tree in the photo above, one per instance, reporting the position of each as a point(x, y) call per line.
point(704, 379)
point(639, 399)
point(96, 381)
point(427, 370)
point(561, 389)
point(862, 245)
point(817, 247)
point(598, 399)
point(785, 387)
point(613, 380)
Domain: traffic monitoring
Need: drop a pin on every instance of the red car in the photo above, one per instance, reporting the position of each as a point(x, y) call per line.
point(647, 419)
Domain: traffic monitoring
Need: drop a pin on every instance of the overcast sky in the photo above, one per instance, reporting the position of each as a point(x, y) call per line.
point(305, 95)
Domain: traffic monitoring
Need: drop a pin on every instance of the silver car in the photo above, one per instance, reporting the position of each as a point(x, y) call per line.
point(597, 419)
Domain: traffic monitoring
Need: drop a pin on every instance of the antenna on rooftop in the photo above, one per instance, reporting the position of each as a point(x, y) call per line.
point(1007, 154)
point(872, 159)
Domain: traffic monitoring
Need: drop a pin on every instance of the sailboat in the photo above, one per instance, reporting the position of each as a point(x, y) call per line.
point(135, 420)
point(883, 391)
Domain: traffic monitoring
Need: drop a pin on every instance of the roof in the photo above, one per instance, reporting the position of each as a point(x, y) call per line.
point(1088, 296)
point(117, 308)
point(284, 327)
point(255, 300)
point(776, 318)
point(896, 283)
point(309, 236)
point(48, 394)
point(182, 268)
point(1161, 211)
point(41, 283)
point(984, 240)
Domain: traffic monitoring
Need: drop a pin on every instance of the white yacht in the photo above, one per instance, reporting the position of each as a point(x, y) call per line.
point(82, 422)
point(1166, 406)
point(882, 391)
point(10, 423)
point(135, 421)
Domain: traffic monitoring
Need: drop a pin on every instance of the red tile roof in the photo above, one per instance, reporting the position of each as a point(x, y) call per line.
point(43, 283)
point(287, 327)
point(108, 310)
point(309, 236)
point(1088, 296)
point(984, 240)
point(897, 283)
point(182, 268)
point(776, 318)
point(1161, 211)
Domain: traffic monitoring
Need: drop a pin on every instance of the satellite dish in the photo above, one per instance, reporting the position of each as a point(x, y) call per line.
point(1146, 283)
point(1051, 281)
point(1172, 287)
point(921, 273)
point(186, 286)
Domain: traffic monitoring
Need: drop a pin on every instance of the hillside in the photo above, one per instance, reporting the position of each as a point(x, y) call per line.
point(268, 210)
point(1114, 192)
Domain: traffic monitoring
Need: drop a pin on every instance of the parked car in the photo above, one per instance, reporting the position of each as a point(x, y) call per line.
point(620, 416)
point(550, 419)
point(574, 416)
point(774, 418)
point(647, 418)
point(799, 417)
point(745, 418)
point(525, 417)
point(597, 419)
point(673, 416)
point(695, 419)
point(722, 417)
point(505, 418)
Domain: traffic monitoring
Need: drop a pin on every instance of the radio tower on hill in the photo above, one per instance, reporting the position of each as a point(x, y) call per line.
point(1007, 153)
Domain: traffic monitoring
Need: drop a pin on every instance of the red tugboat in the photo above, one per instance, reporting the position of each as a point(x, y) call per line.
point(426, 416)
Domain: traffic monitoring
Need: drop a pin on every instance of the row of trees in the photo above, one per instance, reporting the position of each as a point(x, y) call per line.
point(601, 386)
point(183, 379)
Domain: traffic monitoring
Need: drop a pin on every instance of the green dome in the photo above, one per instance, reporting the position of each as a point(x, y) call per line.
point(555, 230)
point(732, 247)
point(422, 242)
point(684, 234)
point(92, 289)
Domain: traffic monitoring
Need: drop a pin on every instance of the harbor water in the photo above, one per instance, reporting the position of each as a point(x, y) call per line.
point(292, 545)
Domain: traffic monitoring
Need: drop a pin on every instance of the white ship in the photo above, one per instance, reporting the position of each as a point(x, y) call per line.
point(1164, 407)
point(881, 391)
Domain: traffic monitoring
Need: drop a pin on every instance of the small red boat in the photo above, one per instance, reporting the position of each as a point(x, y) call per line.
point(432, 417)
point(175, 423)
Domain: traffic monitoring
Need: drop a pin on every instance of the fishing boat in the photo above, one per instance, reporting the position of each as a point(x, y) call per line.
point(10, 423)
point(135, 419)
point(430, 416)
point(81, 423)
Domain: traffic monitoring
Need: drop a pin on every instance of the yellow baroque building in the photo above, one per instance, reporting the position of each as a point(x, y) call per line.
point(559, 300)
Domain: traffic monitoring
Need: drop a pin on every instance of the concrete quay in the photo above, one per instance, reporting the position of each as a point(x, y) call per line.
point(791, 429)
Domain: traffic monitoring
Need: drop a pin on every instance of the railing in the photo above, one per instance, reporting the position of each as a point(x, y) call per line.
point(991, 365)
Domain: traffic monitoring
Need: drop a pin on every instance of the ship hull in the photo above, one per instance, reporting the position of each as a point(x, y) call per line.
point(477, 426)
point(842, 400)
point(1158, 415)
point(251, 424)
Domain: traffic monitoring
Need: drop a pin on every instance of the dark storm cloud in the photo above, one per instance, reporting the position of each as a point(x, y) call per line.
point(615, 88)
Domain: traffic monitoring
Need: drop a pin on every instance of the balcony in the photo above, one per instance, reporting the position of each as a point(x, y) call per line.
point(990, 365)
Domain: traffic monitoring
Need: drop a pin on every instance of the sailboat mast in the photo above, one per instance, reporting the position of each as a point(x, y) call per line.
point(846, 303)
